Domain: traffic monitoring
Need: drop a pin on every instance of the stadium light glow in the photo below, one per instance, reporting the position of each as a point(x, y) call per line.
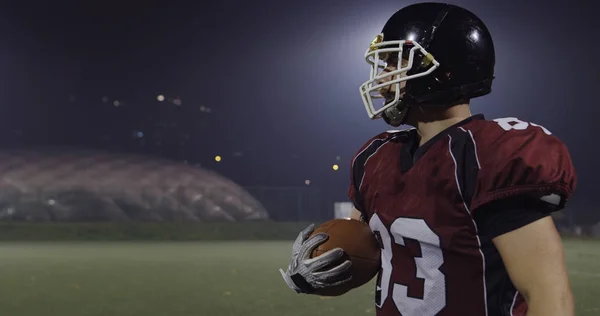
point(336, 167)
point(217, 158)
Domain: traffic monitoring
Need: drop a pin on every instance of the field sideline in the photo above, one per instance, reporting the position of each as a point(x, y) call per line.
point(194, 278)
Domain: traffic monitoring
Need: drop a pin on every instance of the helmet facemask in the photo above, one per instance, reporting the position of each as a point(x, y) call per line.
point(394, 108)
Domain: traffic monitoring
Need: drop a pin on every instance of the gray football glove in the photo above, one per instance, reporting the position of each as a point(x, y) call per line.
point(305, 275)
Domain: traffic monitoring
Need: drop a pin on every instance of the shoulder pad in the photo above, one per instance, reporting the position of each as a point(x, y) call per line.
point(517, 158)
point(360, 158)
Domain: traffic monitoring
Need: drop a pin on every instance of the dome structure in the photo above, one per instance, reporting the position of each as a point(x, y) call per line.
point(59, 185)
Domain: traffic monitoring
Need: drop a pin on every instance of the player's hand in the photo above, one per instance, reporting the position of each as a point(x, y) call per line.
point(305, 274)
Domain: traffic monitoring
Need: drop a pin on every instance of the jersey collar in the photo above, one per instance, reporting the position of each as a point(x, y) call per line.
point(411, 152)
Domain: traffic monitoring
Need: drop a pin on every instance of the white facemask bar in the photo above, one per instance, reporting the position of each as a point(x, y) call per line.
point(371, 89)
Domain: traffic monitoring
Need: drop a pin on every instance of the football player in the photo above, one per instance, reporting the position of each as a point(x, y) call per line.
point(460, 205)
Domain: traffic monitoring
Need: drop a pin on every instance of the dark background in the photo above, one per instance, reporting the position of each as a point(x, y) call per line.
point(270, 86)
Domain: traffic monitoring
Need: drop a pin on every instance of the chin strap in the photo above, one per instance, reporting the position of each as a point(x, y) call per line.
point(396, 114)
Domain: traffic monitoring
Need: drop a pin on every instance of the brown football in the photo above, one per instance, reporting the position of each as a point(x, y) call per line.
point(360, 246)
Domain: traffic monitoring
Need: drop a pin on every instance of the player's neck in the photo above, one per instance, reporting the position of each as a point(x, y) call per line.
point(430, 128)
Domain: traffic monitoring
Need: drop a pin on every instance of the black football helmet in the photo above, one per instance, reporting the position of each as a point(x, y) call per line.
point(443, 52)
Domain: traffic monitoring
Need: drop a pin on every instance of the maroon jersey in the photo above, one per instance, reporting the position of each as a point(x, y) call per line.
point(420, 202)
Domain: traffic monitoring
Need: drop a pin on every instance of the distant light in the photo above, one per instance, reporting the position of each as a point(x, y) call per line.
point(307, 182)
point(208, 110)
point(177, 101)
point(139, 134)
point(336, 167)
point(217, 158)
point(338, 158)
point(160, 98)
point(104, 99)
point(116, 103)
point(475, 36)
point(202, 108)
point(51, 202)
point(411, 36)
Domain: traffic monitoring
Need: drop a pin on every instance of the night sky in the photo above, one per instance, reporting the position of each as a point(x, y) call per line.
point(280, 79)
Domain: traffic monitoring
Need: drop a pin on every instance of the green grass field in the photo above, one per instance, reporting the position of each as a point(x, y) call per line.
point(194, 278)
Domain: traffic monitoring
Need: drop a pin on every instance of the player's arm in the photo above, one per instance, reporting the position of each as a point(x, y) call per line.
point(356, 214)
point(357, 172)
point(535, 261)
point(524, 234)
point(529, 176)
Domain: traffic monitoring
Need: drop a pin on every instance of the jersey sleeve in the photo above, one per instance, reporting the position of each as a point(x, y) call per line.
point(357, 169)
point(356, 175)
point(354, 196)
point(502, 216)
point(524, 162)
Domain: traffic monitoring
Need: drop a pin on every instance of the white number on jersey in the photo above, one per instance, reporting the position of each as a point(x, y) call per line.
point(508, 123)
point(428, 265)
